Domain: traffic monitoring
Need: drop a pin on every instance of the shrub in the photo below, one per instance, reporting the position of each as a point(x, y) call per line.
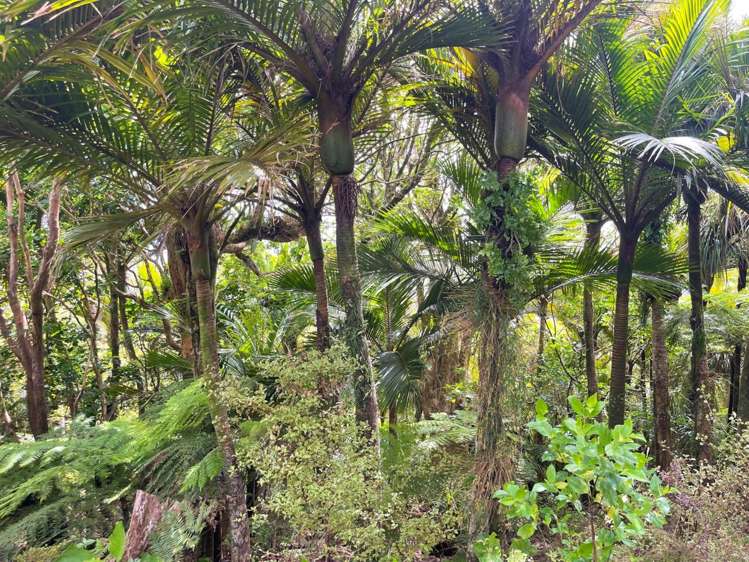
point(597, 492)
point(323, 491)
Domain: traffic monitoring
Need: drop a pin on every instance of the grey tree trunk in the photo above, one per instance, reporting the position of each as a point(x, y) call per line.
point(617, 391)
point(734, 390)
point(700, 391)
point(593, 225)
point(317, 254)
point(345, 193)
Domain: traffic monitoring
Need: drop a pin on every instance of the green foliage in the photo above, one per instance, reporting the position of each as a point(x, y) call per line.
point(113, 550)
point(489, 549)
point(53, 472)
point(509, 212)
point(179, 529)
point(598, 491)
point(709, 519)
point(206, 470)
point(65, 485)
point(322, 478)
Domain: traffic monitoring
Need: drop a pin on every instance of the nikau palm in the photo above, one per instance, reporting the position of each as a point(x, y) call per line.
point(488, 113)
point(590, 111)
point(335, 50)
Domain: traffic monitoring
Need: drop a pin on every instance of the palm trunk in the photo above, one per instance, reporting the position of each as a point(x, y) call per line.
point(699, 391)
point(493, 459)
point(365, 393)
point(735, 387)
point(742, 403)
point(661, 402)
point(183, 290)
point(314, 242)
point(393, 420)
point(593, 227)
point(200, 244)
point(617, 391)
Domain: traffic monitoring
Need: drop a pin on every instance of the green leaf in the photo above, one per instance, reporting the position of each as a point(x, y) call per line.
point(488, 549)
point(586, 550)
point(117, 541)
point(527, 530)
point(551, 474)
point(541, 409)
point(75, 553)
point(542, 427)
point(577, 406)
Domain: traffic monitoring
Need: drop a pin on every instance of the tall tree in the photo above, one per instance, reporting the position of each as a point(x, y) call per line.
point(590, 111)
point(337, 51)
point(489, 116)
point(700, 391)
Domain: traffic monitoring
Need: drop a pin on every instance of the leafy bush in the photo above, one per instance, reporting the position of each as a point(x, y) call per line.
point(324, 493)
point(598, 491)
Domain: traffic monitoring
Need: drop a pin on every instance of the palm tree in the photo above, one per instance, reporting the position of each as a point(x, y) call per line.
point(730, 65)
point(337, 51)
point(586, 110)
point(447, 259)
point(482, 97)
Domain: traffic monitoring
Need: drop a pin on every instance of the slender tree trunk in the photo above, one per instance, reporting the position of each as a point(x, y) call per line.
point(93, 344)
point(201, 246)
point(28, 341)
point(735, 388)
point(661, 401)
point(493, 458)
point(183, 291)
point(593, 227)
point(365, 392)
point(742, 403)
point(127, 339)
point(700, 392)
point(114, 330)
point(9, 428)
point(543, 307)
point(314, 242)
point(617, 392)
point(393, 420)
